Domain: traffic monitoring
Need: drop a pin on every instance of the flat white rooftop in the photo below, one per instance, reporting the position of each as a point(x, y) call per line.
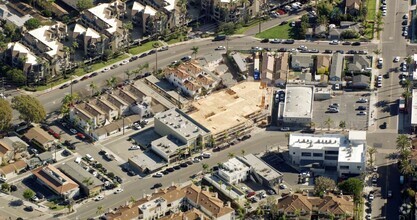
point(100, 12)
point(42, 35)
point(30, 57)
point(414, 108)
point(298, 102)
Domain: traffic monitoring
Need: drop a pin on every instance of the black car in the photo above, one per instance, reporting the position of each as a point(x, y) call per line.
point(282, 50)
point(186, 58)
point(29, 208)
point(356, 43)
point(189, 162)
point(66, 153)
point(328, 51)
point(72, 147)
point(131, 173)
point(346, 43)
point(219, 38)
point(340, 51)
point(118, 179)
point(405, 22)
point(362, 108)
point(266, 40)
point(184, 165)
point(147, 74)
point(64, 86)
point(165, 172)
point(75, 82)
point(143, 55)
point(152, 52)
point(351, 52)
point(157, 185)
point(45, 127)
point(246, 137)
point(94, 74)
point(177, 167)
point(102, 152)
point(289, 41)
point(284, 22)
point(170, 170)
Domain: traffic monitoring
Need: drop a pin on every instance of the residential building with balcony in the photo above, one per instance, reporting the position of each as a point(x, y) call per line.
point(45, 42)
point(18, 55)
point(155, 17)
point(232, 10)
point(185, 200)
point(345, 154)
point(100, 28)
point(191, 79)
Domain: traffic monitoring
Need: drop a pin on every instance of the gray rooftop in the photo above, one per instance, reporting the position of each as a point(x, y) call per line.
point(260, 167)
point(181, 123)
point(78, 174)
point(336, 67)
point(148, 160)
point(168, 144)
point(239, 62)
point(13, 18)
point(212, 57)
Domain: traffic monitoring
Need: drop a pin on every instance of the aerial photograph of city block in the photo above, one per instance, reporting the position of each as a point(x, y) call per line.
point(208, 109)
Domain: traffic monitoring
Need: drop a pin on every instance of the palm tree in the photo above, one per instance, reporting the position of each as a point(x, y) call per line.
point(403, 143)
point(99, 210)
point(409, 60)
point(406, 167)
point(342, 125)
point(93, 88)
point(195, 51)
point(111, 82)
point(328, 123)
point(405, 155)
point(371, 151)
point(128, 73)
point(231, 155)
point(205, 167)
point(243, 152)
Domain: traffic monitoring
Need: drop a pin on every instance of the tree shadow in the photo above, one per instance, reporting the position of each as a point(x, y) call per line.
point(16, 203)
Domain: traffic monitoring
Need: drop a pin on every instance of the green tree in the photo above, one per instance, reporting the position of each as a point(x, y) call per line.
point(195, 51)
point(227, 28)
point(128, 73)
point(205, 167)
point(371, 151)
point(403, 143)
point(6, 114)
point(342, 125)
point(84, 4)
point(30, 109)
point(406, 168)
point(17, 76)
point(349, 34)
point(99, 210)
point(28, 194)
point(352, 186)
point(243, 152)
point(231, 155)
point(323, 184)
point(5, 187)
point(328, 123)
point(93, 88)
point(67, 101)
point(32, 23)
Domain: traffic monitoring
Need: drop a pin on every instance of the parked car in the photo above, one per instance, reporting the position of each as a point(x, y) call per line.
point(117, 191)
point(134, 147)
point(361, 113)
point(221, 48)
point(362, 100)
point(89, 157)
point(219, 38)
point(98, 198)
point(158, 175)
point(285, 129)
point(266, 40)
point(186, 59)
point(157, 185)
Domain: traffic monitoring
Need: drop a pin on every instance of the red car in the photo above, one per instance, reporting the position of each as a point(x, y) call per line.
point(250, 194)
point(80, 135)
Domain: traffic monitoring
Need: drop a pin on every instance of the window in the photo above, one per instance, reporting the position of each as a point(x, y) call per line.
point(344, 167)
point(317, 154)
point(359, 167)
point(306, 154)
point(333, 152)
point(330, 157)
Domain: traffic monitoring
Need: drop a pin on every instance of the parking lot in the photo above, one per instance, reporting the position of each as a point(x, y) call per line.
point(348, 112)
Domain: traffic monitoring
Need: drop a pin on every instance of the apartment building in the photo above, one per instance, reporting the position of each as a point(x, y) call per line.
point(157, 16)
point(345, 154)
point(19, 56)
point(233, 171)
point(109, 107)
point(45, 42)
point(232, 10)
point(191, 79)
point(100, 28)
point(187, 200)
point(56, 181)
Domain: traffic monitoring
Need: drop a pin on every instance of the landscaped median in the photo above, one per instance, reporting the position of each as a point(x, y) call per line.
point(371, 9)
point(144, 47)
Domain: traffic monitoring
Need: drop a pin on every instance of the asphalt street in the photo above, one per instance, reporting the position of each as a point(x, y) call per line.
point(134, 188)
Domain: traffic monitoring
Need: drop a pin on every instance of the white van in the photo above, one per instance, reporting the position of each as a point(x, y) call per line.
point(77, 160)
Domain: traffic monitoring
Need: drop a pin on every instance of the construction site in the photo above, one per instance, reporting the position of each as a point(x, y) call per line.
point(234, 112)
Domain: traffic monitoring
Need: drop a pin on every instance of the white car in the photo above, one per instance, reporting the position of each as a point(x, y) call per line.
point(89, 157)
point(35, 199)
point(221, 48)
point(380, 61)
point(396, 59)
point(275, 41)
point(375, 169)
point(361, 113)
point(371, 197)
point(206, 155)
point(134, 147)
point(119, 190)
point(282, 186)
point(379, 84)
point(158, 175)
point(99, 197)
point(106, 69)
point(379, 78)
point(73, 131)
point(302, 47)
point(384, 13)
point(362, 100)
point(137, 126)
point(124, 62)
point(334, 42)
